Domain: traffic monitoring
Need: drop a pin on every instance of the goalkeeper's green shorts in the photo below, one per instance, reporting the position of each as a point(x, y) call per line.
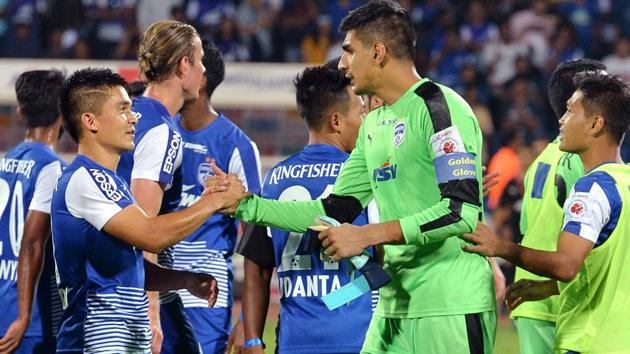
point(455, 334)
point(535, 336)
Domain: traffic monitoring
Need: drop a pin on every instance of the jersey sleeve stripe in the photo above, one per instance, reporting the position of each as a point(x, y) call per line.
point(436, 104)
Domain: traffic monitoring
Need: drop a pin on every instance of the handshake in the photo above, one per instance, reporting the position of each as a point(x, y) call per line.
point(225, 190)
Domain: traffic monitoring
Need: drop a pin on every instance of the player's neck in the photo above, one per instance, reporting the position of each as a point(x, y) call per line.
point(197, 114)
point(600, 153)
point(326, 139)
point(396, 80)
point(100, 154)
point(166, 93)
point(47, 136)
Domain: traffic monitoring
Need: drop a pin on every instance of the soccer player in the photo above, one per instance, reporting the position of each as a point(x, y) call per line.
point(28, 175)
point(99, 231)
point(207, 136)
point(333, 114)
point(170, 57)
point(548, 182)
point(419, 157)
point(589, 267)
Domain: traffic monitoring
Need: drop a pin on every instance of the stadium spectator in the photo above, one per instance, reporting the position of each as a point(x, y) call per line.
point(618, 63)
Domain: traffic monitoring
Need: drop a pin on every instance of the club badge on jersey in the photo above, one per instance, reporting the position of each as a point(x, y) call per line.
point(399, 134)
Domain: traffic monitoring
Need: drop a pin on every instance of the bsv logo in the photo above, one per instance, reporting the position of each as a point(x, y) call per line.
point(385, 173)
point(107, 184)
point(171, 154)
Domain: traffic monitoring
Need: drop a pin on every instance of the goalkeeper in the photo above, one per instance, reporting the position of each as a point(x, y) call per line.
point(419, 157)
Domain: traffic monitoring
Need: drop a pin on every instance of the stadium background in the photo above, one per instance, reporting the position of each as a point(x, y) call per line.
point(497, 54)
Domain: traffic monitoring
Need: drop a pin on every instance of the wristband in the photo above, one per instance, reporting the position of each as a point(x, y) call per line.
point(252, 343)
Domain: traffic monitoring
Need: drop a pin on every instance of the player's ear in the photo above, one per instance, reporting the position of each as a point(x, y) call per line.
point(598, 125)
point(379, 50)
point(89, 122)
point(182, 66)
point(334, 121)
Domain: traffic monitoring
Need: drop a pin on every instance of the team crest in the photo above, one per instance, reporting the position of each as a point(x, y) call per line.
point(399, 133)
point(204, 171)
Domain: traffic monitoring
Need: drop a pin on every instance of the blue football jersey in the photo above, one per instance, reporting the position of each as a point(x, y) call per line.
point(209, 249)
point(28, 175)
point(100, 277)
point(157, 156)
point(306, 325)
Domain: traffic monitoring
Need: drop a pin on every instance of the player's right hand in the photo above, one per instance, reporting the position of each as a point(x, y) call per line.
point(529, 290)
point(236, 339)
point(227, 188)
point(14, 335)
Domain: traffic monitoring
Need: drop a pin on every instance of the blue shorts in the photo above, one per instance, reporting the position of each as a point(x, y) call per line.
point(36, 345)
point(212, 327)
point(179, 336)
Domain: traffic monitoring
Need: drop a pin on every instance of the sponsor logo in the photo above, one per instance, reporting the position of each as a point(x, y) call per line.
point(399, 134)
point(171, 153)
point(107, 184)
point(385, 173)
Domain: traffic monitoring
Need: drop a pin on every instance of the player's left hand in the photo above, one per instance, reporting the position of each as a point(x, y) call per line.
point(485, 242)
point(342, 242)
point(203, 286)
point(529, 290)
point(236, 339)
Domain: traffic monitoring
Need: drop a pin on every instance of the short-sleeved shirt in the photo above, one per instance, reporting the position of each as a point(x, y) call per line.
point(100, 277)
point(307, 326)
point(28, 175)
point(209, 249)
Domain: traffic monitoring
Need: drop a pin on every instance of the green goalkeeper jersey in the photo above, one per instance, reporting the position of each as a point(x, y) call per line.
point(419, 158)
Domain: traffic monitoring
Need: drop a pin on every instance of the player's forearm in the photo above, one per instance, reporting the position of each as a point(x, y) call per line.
point(293, 216)
point(166, 230)
point(31, 260)
point(448, 218)
point(158, 278)
point(547, 264)
point(255, 299)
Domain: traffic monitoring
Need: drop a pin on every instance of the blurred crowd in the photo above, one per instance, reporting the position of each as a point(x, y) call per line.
point(497, 54)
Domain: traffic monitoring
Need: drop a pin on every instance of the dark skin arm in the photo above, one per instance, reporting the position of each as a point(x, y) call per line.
point(255, 301)
point(201, 285)
point(31, 261)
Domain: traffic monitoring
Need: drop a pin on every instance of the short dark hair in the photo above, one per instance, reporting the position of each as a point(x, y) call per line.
point(37, 94)
point(84, 91)
point(385, 21)
point(136, 88)
point(215, 66)
point(317, 90)
point(562, 82)
point(608, 96)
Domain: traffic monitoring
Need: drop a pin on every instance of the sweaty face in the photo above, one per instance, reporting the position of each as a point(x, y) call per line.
point(355, 62)
point(116, 123)
point(574, 125)
point(193, 78)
